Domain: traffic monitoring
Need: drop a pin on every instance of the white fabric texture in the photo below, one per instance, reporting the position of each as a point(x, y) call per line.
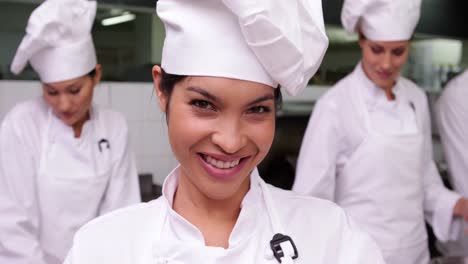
point(58, 42)
point(337, 130)
point(53, 183)
point(381, 20)
point(271, 42)
point(320, 230)
point(452, 122)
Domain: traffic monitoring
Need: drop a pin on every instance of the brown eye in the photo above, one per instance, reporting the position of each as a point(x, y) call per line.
point(202, 104)
point(376, 49)
point(52, 92)
point(259, 110)
point(75, 91)
point(398, 52)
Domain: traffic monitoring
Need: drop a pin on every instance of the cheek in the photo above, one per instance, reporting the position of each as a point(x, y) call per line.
point(184, 131)
point(400, 61)
point(262, 135)
point(52, 101)
point(370, 58)
point(84, 99)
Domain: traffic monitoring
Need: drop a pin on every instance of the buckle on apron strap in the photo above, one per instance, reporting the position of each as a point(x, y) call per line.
point(282, 246)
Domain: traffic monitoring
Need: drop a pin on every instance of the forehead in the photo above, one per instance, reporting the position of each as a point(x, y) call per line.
point(65, 84)
point(227, 88)
point(389, 44)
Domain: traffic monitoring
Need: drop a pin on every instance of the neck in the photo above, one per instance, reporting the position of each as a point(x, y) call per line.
point(389, 93)
point(214, 218)
point(78, 126)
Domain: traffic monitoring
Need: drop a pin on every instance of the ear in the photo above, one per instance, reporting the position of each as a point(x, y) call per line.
point(98, 75)
point(162, 98)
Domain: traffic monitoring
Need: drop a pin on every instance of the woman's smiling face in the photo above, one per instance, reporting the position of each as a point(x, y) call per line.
point(220, 129)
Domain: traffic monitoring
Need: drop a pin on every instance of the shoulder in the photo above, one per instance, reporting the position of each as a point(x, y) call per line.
point(413, 90)
point(114, 231)
point(113, 124)
point(27, 116)
point(110, 118)
point(456, 89)
point(336, 94)
point(30, 109)
point(105, 223)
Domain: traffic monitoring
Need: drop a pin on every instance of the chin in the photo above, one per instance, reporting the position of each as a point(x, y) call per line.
point(220, 190)
point(68, 122)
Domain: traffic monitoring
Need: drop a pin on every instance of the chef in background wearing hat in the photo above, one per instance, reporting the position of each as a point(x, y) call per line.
point(452, 122)
point(368, 143)
point(222, 64)
point(63, 161)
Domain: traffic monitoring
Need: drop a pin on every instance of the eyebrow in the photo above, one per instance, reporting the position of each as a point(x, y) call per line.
point(262, 99)
point(73, 85)
point(399, 48)
point(203, 93)
point(216, 99)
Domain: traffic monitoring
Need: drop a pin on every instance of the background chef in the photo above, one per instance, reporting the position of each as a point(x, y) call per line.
point(63, 161)
point(368, 142)
point(452, 122)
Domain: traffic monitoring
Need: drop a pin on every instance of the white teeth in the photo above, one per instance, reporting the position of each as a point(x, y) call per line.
point(221, 164)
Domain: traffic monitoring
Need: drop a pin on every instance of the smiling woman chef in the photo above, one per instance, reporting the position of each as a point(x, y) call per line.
point(221, 66)
point(63, 161)
point(368, 143)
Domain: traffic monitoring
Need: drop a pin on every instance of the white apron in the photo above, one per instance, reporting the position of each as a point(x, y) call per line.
point(381, 188)
point(72, 179)
point(286, 252)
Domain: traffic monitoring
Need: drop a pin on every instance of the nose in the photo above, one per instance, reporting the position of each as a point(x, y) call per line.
point(64, 103)
point(387, 61)
point(229, 136)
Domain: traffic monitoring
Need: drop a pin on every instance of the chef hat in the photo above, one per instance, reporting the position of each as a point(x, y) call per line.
point(381, 20)
point(266, 41)
point(58, 41)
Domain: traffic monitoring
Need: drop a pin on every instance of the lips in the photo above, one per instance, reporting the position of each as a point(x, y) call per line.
point(67, 115)
point(223, 168)
point(385, 75)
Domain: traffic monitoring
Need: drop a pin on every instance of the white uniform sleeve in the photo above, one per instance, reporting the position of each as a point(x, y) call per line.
point(123, 188)
point(438, 200)
point(19, 209)
point(317, 162)
point(452, 117)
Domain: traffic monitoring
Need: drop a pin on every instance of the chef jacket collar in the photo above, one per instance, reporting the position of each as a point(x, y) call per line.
point(246, 223)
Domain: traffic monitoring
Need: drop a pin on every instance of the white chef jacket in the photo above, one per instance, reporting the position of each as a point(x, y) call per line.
point(452, 122)
point(43, 198)
point(336, 129)
point(155, 233)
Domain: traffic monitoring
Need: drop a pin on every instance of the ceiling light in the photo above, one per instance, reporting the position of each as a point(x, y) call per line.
point(125, 17)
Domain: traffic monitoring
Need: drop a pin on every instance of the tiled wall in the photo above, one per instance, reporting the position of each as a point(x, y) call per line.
point(136, 101)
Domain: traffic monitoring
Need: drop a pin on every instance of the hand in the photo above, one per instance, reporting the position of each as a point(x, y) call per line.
point(461, 210)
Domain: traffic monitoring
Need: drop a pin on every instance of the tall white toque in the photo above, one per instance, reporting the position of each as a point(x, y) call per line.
point(273, 42)
point(382, 20)
point(58, 42)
